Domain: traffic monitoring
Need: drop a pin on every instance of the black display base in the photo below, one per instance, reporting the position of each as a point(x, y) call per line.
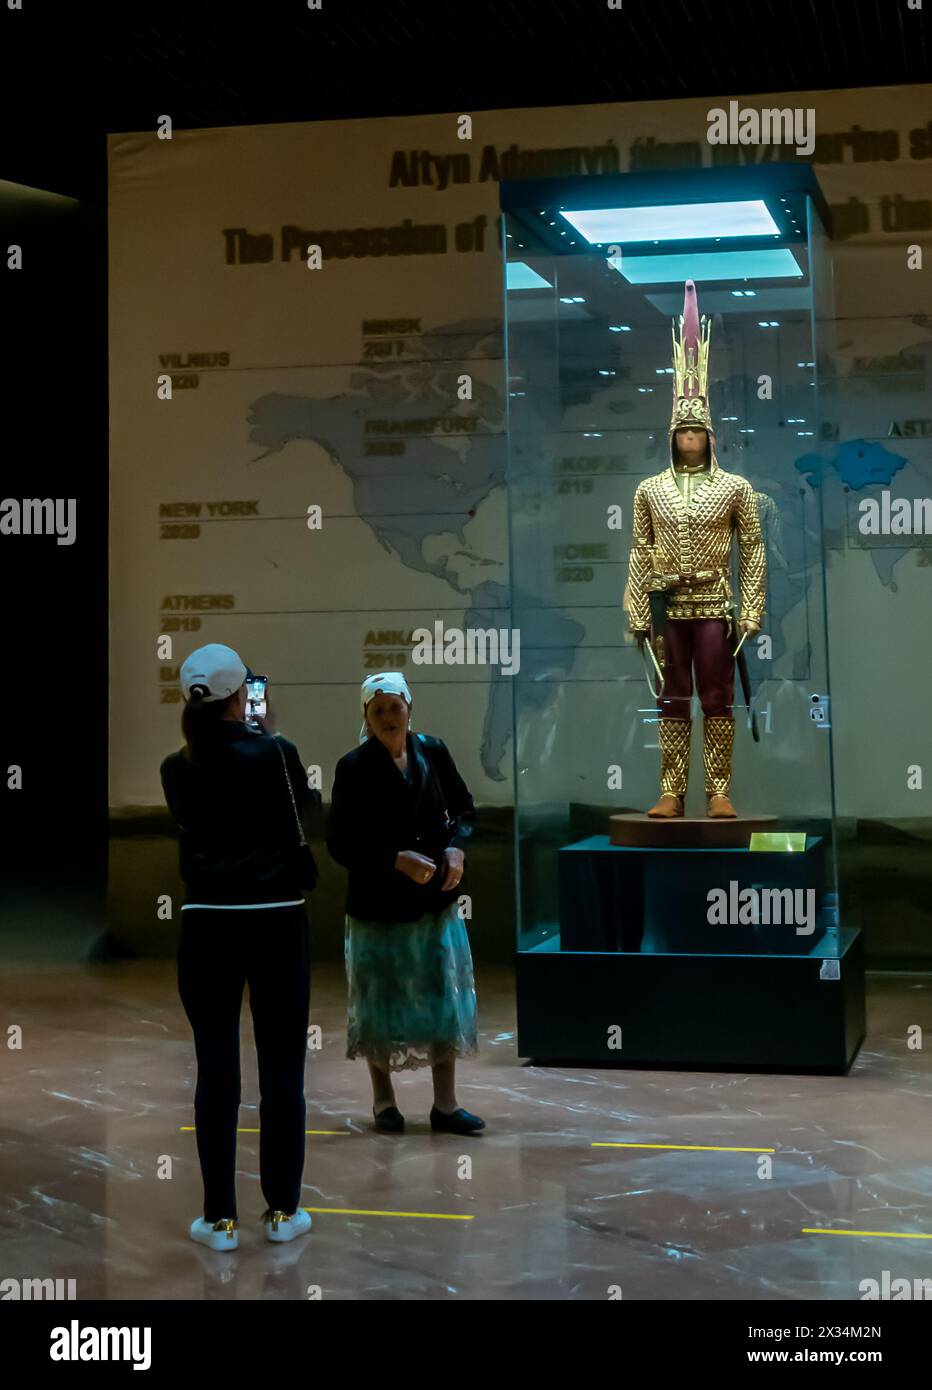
point(775, 1012)
point(638, 898)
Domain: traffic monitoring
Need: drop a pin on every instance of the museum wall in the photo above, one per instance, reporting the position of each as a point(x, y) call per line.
point(337, 388)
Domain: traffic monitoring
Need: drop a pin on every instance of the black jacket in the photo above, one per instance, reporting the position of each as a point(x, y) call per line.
point(238, 830)
point(375, 812)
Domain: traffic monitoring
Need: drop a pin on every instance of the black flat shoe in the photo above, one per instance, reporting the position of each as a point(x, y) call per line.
point(460, 1122)
point(390, 1120)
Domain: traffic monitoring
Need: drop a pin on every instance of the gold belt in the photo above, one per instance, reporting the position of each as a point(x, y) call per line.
point(661, 582)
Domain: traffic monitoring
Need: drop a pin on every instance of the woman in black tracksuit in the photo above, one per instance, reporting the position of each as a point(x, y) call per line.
point(243, 922)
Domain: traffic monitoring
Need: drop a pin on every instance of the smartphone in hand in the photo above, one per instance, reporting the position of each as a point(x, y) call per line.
point(256, 699)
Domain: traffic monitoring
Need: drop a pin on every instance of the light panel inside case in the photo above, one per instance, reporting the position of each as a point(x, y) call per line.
point(674, 222)
point(519, 276)
point(773, 263)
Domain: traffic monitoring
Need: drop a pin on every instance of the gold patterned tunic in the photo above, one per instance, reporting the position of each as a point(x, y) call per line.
point(684, 546)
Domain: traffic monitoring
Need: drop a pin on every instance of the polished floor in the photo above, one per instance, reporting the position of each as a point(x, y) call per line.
point(99, 1176)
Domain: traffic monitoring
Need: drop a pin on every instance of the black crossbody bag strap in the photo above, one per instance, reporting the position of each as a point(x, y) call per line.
point(294, 805)
point(448, 824)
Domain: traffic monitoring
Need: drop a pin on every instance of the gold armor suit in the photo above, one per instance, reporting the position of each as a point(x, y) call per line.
point(689, 532)
point(684, 521)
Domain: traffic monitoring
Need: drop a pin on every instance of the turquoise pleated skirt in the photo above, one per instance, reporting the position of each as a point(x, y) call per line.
point(412, 995)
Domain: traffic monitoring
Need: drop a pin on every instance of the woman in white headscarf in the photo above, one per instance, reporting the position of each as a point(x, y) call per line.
point(400, 814)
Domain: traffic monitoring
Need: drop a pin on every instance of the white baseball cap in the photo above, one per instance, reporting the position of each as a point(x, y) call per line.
point(215, 667)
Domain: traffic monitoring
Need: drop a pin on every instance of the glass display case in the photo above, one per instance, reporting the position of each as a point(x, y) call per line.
point(694, 939)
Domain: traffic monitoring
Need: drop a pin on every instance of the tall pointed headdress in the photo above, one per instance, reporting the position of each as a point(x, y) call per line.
point(691, 367)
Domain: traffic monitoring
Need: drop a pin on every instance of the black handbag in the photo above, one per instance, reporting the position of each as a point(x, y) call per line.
point(302, 860)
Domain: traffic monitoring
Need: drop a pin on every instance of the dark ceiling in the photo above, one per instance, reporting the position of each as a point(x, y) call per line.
point(71, 72)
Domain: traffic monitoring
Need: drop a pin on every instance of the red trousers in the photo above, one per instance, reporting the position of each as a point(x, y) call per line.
point(702, 644)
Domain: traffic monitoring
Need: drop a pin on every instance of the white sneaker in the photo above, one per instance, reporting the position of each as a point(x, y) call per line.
point(279, 1227)
point(219, 1235)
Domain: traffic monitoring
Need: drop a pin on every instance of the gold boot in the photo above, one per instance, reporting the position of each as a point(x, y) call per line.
point(718, 737)
point(674, 767)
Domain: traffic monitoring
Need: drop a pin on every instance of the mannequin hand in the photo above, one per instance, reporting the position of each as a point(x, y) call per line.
point(453, 859)
point(640, 638)
point(418, 867)
point(746, 625)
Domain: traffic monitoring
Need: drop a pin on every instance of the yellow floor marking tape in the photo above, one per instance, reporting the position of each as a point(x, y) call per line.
point(359, 1211)
point(886, 1235)
point(189, 1129)
point(715, 1148)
